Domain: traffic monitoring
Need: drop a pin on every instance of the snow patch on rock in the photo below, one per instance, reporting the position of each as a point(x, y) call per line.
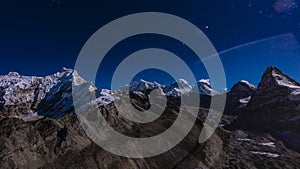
point(244, 101)
point(269, 144)
point(274, 155)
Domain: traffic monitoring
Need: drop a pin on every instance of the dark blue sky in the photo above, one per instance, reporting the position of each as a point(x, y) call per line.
point(41, 36)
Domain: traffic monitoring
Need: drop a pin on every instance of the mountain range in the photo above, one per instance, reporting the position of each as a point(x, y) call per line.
point(259, 128)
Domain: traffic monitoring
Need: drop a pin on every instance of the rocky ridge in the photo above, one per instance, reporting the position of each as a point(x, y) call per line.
point(31, 140)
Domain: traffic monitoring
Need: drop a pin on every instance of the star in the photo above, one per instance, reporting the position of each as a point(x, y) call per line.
point(54, 3)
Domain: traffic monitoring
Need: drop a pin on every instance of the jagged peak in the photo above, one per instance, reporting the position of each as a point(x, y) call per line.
point(15, 74)
point(64, 69)
point(274, 79)
point(274, 76)
point(182, 81)
point(271, 71)
point(77, 79)
point(205, 81)
point(272, 68)
point(141, 82)
point(242, 90)
point(244, 83)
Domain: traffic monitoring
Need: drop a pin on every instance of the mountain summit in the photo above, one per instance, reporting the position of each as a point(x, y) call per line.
point(273, 77)
point(275, 108)
point(239, 96)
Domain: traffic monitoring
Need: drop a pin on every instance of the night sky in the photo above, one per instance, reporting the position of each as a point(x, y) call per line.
point(40, 37)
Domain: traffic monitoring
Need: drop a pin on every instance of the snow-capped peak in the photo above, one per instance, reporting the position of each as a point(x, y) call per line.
point(274, 79)
point(183, 86)
point(293, 86)
point(203, 86)
point(205, 81)
point(247, 83)
point(30, 97)
point(175, 89)
point(16, 74)
point(182, 81)
point(26, 92)
point(143, 85)
point(274, 74)
point(275, 86)
point(64, 69)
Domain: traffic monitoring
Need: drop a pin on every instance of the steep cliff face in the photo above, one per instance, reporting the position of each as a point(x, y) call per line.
point(275, 107)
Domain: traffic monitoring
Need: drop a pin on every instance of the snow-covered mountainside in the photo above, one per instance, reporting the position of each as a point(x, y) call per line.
point(23, 94)
point(30, 97)
point(176, 89)
point(143, 85)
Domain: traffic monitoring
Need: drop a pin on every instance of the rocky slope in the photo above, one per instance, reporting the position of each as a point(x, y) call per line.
point(37, 144)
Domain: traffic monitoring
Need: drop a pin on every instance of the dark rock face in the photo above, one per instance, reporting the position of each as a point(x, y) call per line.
point(275, 108)
point(238, 97)
point(38, 144)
